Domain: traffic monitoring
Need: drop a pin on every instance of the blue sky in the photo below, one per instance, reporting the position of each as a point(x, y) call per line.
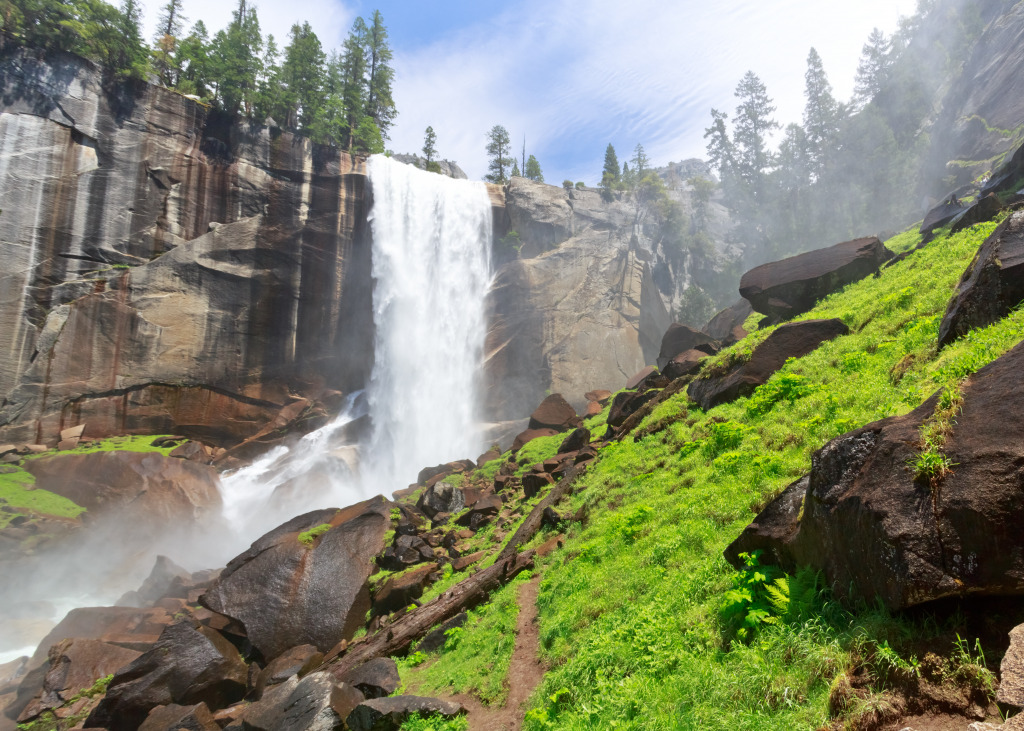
point(573, 76)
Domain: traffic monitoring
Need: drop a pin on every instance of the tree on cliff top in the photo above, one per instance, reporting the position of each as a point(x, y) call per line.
point(498, 147)
point(303, 76)
point(533, 171)
point(611, 173)
point(430, 151)
point(379, 104)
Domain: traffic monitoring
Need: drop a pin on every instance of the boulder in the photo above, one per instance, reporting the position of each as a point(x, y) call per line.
point(1011, 671)
point(792, 286)
point(534, 482)
point(876, 529)
point(646, 378)
point(175, 718)
point(74, 665)
point(774, 528)
point(577, 440)
point(985, 208)
point(388, 714)
point(164, 575)
point(407, 550)
point(529, 435)
point(599, 395)
point(555, 413)
point(482, 511)
point(314, 703)
point(441, 497)
point(687, 363)
point(190, 664)
point(593, 409)
point(991, 286)
point(464, 562)
point(488, 456)
point(295, 661)
point(942, 214)
point(287, 591)
point(792, 340)
point(625, 404)
point(680, 338)
point(727, 326)
point(443, 470)
point(402, 590)
point(435, 639)
point(146, 487)
point(375, 678)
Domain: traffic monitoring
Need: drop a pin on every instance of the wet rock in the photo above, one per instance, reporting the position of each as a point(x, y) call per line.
point(625, 404)
point(144, 487)
point(174, 718)
point(680, 338)
point(876, 529)
point(535, 482)
point(376, 678)
point(309, 704)
point(774, 528)
point(984, 209)
point(524, 437)
point(727, 326)
point(435, 639)
point(687, 363)
point(288, 592)
point(295, 661)
point(578, 439)
point(786, 288)
point(190, 664)
point(991, 286)
point(792, 340)
point(402, 590)
point(942, 214)
point(388, 714)
point(555, 413)
point(482, 511)
point(442, 497)
point(600, 395)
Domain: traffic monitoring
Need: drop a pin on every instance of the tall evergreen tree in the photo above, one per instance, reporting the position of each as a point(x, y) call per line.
point(873, 67)
point(302, 74)
point(430, 151)
point(532, 170)
point(236, 59)
point(379, 104)
point(611, 174)
point(194, 60)
point(353, 69)
point(170, 25)
point(641, 163)
point(752, 123)
point(821, 115)
point(498, 143)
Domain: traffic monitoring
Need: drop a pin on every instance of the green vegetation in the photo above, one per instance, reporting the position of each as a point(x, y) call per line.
point(307, 537)
point(644, 624)
point(48, 721)
point(436, 723)
point(19, 495)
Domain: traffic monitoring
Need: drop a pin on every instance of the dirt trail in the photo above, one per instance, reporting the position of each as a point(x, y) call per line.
point(524, 672)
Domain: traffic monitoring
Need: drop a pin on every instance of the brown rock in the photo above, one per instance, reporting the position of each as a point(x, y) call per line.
point(555, 413)
point(600, 395)
point(593, 409)
point(1011, 671)
point(388, 714)
point(295, 661)
point(786, 288)
point(792, 340)
point(687, 363)
point(488, 456)
point(680, 338)
point(984, 209)
point(74, 432)
point(464, 562)
point(727, 325)
point(534, 482)
point(174, 718)
point(529, 435)
point(942, 214)
point(625, 404)
point(402, 590)
point(286, 592)
point(375, 678)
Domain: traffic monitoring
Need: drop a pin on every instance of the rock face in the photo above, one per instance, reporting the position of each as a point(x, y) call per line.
point(876, 530)
point(288, 592)
point(579, 309)
point(247, 250)
point(991, 286)
point(786, 288)
point(155, 489)
point(792, 340)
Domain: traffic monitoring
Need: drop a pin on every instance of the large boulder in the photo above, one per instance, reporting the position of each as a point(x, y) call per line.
point(190, 664)
point(376, 678)
point(792, 340)
point(625, 404)
point(528, 435)
point(991, 286)
point(687, 363)
point(157, 490)
point(298, 586)
point(878, 530)
point(314, 703)
point(441, 497)
point(792, 286)
point(196, 717)
point(985, 208)
point(554, 412)
point(942, 214)
point(680, 338)
point(727, 326)
point(388, 714)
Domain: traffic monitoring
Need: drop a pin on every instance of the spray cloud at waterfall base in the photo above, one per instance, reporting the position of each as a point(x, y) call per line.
point(431, 270)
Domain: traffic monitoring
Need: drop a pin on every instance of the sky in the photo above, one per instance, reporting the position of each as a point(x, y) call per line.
point(572, 77)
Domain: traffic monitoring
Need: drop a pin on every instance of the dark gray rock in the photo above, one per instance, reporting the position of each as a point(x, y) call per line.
point(991, 286)
point(296, 661)
point(174, 718)
point(984, 209)
point(727, 326)
point(680, 338)
point(435, 639)
point(441, 497)
point(577, 440)
point(310, 704)
point(376, 678)
point(388, 714)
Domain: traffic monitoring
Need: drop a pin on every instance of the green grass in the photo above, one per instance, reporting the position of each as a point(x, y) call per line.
point(17, 491)
point(127, 443)
point(475, 657)
point(307, 537)
point(538, 450)
point(631, 610)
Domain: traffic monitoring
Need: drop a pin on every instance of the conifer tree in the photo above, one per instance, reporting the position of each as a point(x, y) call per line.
point(640, 161)
point(353, 68)
point(194, 61)
point(752, 122)
point(821, 115)
point(515, 173)
point(430, 151)
point(379, 104)
point(533, 171)
point(169, 28)
point(302, 74)
point(498, 148)
point(873, 67)
point(235, 60)
point(611, 173)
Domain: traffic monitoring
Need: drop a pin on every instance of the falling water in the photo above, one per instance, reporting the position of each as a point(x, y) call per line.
point(431, 270)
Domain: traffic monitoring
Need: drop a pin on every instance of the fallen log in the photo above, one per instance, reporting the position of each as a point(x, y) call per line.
point(396, 638)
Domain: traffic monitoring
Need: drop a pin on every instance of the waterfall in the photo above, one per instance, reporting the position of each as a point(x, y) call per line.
point(431, 271)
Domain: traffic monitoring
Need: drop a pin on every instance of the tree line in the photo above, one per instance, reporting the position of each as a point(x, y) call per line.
point(342, 98)
point(503, 164)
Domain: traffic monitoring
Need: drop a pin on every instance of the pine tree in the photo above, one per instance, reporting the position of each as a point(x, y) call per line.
point(498, 148)
point(379, 103)
point(515, 170)
point(821, 115)
point(353, 68)
point(194, 60)
point(873, 68)
point(611, 173)
point(752, 122)
point(303, 75)
point(533, 171)
point(640, 161)
point(235, 61)
point(329, 126)
point(430, 151)
point(170, 26)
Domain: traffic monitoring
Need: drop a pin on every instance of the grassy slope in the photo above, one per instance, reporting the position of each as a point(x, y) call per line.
point(631, 609)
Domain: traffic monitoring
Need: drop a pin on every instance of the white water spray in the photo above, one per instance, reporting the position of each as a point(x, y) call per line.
point(431, 270)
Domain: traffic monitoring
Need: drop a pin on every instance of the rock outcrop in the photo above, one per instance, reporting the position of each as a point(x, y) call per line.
point(727, 326)
point(167, 270)
point(991, 286)
point(680, 338)
point(878, 529)
point(792, 340)
point(789, 287)
point(296, 585)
